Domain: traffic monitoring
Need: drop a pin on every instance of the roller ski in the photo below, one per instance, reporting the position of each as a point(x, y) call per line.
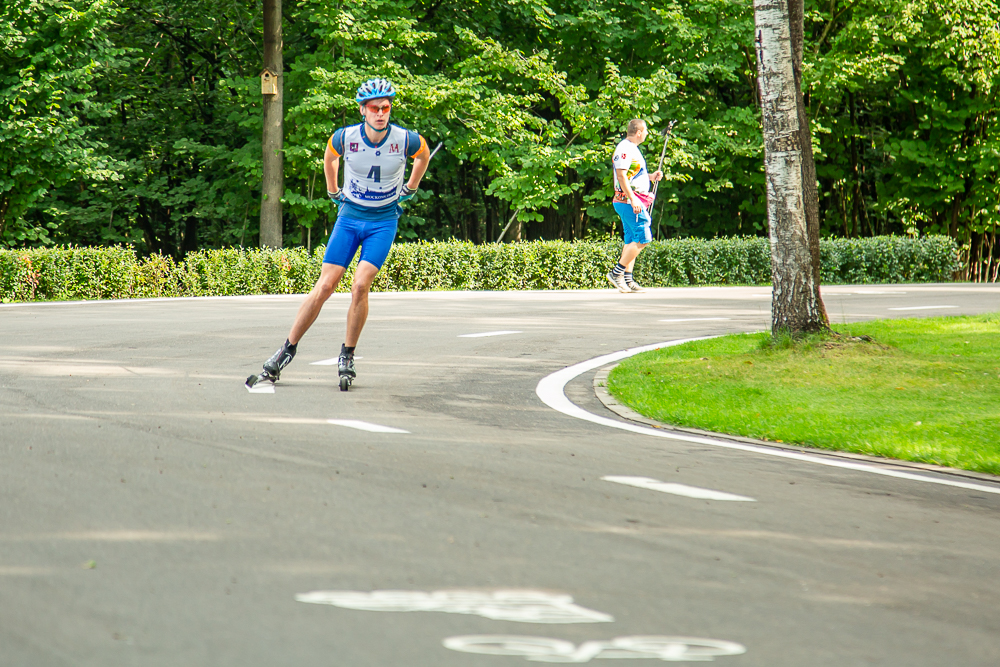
point(274, 366)
point(345, 366)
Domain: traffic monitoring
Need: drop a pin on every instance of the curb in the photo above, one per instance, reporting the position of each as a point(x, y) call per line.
point(627, 413)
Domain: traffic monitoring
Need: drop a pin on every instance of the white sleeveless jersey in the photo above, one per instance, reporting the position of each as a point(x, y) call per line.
point(628, 158)
point(373, 174)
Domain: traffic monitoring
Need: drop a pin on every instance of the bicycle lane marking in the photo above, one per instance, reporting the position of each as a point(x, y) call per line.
point(551, 391)
point(526, 606)
point(544, 649)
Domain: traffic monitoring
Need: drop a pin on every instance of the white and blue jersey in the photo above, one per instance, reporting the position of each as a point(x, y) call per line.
point(374, 173)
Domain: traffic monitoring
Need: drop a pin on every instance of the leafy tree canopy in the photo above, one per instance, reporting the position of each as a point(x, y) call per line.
point(139, 122)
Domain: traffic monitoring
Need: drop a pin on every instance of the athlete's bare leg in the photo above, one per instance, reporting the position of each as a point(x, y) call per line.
point(364, 276)
point(629, 253)
point(329, 278)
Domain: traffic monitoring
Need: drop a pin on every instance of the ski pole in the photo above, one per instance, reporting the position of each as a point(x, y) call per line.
point(431, 157)
point(659, 166)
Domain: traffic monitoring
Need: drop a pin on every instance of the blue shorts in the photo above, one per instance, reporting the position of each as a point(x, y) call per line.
point(374, 236)
point(636, 224)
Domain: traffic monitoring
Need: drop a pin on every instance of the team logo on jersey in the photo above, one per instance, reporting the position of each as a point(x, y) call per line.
point(354, 148)
point(393, 148)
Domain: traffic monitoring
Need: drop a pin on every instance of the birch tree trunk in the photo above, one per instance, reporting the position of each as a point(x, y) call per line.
point(795, 307)
point(810, 190)
point(273, 182)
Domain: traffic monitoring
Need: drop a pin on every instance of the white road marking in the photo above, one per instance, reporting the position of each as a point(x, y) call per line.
point(350, 423)
point(364, 426)
point(676, 489)
point(115, 536)
point(923, 307)
point(864, 293)
point(700, 319)
point(284, 420)
point(262, 388)
point(543, 649)
point(551, 391)
point(488, 333)
point(523, 606)
point(330, 362)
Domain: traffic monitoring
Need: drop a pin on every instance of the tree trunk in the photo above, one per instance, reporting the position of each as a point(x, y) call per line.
point(272, 185)
point(794, 304)
point(810, 191)
point(4, 205)
point(855, 171)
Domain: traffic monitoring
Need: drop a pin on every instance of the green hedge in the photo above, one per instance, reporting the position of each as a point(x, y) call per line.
point(117, 273)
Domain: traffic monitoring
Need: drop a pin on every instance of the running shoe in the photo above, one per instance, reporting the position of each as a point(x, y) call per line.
point(618, 282)
point(635, 287)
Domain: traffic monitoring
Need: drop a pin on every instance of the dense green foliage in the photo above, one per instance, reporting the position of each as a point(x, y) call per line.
point(928, 390)
point(139, 122)
point(54, 273)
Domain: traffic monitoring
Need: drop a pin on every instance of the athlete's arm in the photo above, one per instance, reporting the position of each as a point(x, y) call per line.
point(627, 189)
point(331, 169)
point(416, 148)
point(420, 162)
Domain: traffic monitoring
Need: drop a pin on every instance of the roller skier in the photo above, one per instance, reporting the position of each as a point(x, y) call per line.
point(368, 208)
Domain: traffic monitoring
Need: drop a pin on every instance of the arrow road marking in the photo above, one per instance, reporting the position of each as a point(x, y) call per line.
point(523, 606)
point(676, 489)
point(365, 426)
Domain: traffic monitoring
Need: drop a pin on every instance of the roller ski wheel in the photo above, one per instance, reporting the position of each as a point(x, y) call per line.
point(273, 366)
point(255, 380)
point(345, 366)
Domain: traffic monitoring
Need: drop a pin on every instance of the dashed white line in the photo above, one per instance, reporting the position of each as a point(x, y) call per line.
point(330, 362)
point(551, 391)
point(923, 307)
point(262, 388)
point(488, 333)
point(677, 489)
point(699, 319)
point(863, 293)
point(365, 426)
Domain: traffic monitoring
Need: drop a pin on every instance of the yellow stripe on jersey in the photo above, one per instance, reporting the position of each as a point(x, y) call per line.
point(329, 144)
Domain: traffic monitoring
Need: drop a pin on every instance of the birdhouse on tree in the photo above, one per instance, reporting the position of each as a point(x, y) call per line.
point(268, 82)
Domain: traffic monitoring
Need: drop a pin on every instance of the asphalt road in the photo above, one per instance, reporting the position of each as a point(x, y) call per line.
point(156, 513)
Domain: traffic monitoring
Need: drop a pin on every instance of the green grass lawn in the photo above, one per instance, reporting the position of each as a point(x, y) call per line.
point(924, 390)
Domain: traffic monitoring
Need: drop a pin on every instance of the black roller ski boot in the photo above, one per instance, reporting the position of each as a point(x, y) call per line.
point(273, 366)
point(345, 366)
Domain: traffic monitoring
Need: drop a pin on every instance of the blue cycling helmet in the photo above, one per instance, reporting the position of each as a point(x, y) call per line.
point(373, 89)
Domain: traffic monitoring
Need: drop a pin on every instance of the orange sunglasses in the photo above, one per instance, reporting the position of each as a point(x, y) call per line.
point(377, 108)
